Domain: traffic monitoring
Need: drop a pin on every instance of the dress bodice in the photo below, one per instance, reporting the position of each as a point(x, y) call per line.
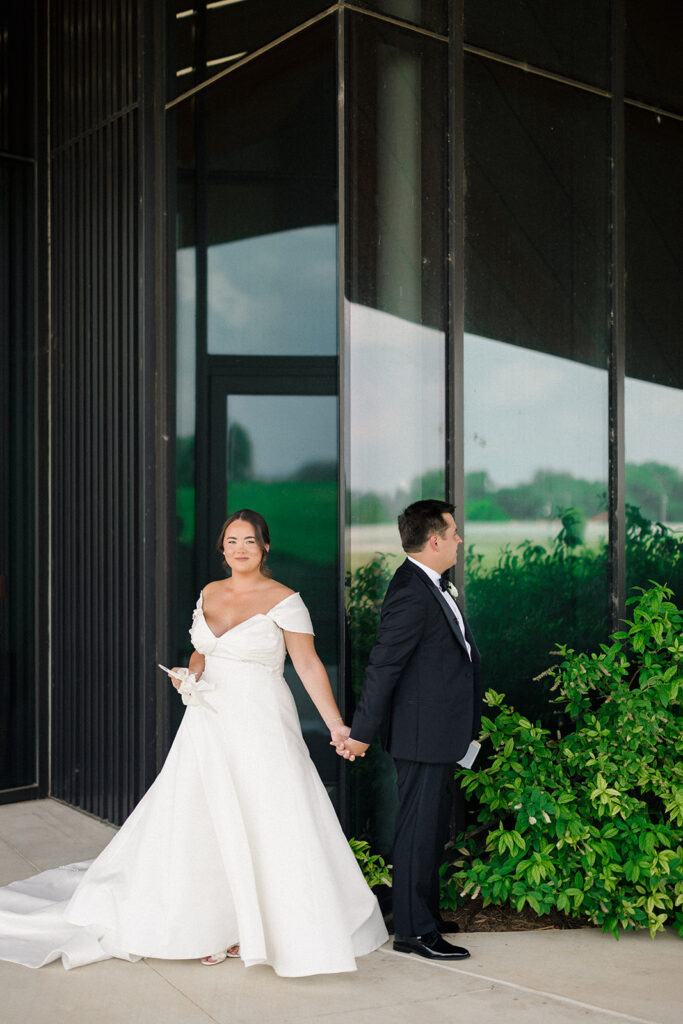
point(257, 639)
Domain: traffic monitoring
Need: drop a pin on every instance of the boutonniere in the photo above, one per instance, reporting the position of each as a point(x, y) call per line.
point(453, 591)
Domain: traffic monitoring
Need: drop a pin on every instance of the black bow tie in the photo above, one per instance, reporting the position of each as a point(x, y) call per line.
point(444, 581)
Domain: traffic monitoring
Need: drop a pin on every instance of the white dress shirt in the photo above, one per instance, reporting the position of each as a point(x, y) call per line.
point(435, 577)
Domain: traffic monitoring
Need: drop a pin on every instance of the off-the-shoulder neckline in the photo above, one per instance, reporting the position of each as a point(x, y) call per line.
point(237, 625)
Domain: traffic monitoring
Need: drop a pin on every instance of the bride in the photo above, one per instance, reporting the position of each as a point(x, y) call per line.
point(235, 850)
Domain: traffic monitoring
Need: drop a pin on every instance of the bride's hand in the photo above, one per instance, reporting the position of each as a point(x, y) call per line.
point(176, 682)
point(338, 734)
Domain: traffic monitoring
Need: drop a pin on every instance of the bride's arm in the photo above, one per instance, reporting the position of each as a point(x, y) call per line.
point(196, 665)
point(312, 674)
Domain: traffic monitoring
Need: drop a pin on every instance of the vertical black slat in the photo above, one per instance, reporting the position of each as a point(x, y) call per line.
point(113, 37)
point(98, 63)
point(61, 542)
point(99, 679)
point(41, 413)
point(79, 523)
point(106, 343)
point(132, 566)
point(79, 13)
point(112, 642)
point(59, 213)
point(110, 652)
point(117, 513)
point(68, 681)
point(115, 652)
point(617, 506)
point(455, 276)
point(57, 285)
point(90, 300)
point(121, 540)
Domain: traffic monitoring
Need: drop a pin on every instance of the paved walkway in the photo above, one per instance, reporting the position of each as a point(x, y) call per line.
point(511, 978)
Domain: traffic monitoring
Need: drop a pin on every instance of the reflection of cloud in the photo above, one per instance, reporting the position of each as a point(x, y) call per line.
point(274, 294)
point(227, 301)
point(534, 411)
point(396, 401)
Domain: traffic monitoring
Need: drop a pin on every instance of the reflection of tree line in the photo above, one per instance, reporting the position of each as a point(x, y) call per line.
point(532, 598)
point(656, 489)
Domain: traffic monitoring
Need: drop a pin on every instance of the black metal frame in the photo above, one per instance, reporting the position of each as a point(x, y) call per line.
point(617, 327)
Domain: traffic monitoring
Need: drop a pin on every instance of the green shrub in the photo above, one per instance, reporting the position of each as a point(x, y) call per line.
point(590, 823)
point(374, 869)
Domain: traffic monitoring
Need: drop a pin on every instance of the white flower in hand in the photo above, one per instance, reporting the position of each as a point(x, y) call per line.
point(191, 691)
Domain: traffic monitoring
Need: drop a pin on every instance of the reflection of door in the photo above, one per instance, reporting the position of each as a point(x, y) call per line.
point(272, 445)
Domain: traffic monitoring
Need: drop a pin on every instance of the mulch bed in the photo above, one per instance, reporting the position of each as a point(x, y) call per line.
point(474, 917)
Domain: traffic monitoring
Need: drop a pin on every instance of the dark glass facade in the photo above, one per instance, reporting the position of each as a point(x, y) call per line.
point(336, 257)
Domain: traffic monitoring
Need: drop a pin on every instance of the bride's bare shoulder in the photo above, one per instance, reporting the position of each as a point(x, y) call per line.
point(279, 591)
point(214, 588)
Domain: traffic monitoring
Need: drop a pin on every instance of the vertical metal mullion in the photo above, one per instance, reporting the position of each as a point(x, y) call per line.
point(455, 271)
point(202, 430)
point(343, 393)
point(617, 357)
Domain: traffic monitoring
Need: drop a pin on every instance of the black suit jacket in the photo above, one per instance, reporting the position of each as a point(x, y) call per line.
point(421, 691)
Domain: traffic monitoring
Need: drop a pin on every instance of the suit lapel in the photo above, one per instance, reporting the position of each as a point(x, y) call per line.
point(443, 604)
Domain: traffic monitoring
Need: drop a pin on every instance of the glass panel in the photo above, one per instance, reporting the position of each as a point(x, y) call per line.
point(536, 396)
point(570, 39)
point(429, 14)
point(652, 71)
point(272, 207)
point(654, 366)
point(395, 333)
point(18, 725)
point(282, 453)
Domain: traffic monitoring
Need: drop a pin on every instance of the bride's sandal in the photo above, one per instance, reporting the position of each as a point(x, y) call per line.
point(218, 958)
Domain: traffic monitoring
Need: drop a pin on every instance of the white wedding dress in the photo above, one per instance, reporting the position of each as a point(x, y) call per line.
point(236, 840)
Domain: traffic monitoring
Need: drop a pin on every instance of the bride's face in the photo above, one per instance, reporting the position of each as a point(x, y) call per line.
point(241, 548)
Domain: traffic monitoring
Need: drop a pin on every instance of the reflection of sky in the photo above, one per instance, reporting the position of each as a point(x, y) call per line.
point(274, 294)
point(396, 400)
point(654, 423)
point(286, 431)
point(526, 410)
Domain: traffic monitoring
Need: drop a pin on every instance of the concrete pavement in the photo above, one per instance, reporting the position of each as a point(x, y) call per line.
point(514, 977)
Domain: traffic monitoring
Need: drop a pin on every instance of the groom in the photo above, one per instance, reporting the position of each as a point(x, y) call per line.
point(422, 691)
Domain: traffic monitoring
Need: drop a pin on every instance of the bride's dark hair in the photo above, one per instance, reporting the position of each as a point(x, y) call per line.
point(261, 533)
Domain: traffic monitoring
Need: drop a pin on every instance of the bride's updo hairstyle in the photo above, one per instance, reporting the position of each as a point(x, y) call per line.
point(261, 532)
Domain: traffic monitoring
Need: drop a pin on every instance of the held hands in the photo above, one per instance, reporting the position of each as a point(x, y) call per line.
point(352, 749)
point(347, 748)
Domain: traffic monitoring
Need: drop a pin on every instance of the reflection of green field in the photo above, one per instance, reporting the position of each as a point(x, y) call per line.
point(301, 515)
point(488, 539)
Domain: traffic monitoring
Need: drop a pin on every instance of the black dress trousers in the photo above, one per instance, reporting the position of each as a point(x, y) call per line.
point(425, 795)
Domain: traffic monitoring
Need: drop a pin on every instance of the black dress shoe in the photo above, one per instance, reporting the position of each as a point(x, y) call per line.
point(430, 945)
point(447, 927)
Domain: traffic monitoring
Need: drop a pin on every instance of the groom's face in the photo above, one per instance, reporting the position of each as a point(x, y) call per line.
point(449, 543)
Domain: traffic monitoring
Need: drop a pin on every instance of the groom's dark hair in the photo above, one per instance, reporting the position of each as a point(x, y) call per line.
point(420, 521)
